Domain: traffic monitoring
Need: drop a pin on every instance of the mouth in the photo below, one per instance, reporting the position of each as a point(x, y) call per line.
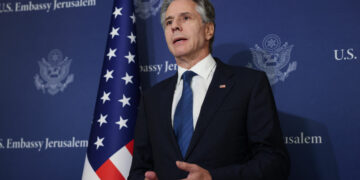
point(179, 40)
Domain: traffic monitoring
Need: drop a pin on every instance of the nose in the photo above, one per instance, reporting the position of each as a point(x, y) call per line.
point(176, 25)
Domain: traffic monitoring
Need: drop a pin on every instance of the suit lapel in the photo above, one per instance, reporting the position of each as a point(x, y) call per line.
point(213, 100)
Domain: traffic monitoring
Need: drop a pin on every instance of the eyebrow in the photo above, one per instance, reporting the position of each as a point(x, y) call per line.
point(169, 17)
point(181, 14)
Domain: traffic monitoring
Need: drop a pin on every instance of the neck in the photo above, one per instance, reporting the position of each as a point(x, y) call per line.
point(189, 61)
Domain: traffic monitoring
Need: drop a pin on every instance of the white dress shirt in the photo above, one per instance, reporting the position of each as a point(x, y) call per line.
point(204, 69)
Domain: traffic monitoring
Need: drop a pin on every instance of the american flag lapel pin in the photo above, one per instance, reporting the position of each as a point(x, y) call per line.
point(222, 86)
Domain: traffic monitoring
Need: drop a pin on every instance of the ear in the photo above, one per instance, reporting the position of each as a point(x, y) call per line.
point(209, 30)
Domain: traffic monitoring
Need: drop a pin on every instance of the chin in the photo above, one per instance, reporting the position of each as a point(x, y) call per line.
point(180, 53)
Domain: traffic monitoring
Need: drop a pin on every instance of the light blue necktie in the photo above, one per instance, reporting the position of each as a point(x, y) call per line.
point(183, 117)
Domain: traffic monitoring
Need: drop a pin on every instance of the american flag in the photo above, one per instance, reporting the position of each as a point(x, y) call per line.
point(110, 148)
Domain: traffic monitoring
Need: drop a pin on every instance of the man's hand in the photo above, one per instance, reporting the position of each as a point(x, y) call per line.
point(195, 172)
point(150, 175)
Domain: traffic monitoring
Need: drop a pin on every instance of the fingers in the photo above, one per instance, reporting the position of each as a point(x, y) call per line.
point(150, 175)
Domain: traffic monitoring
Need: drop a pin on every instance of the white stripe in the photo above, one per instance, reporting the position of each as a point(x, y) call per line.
point(88, 172)
point(122, 160)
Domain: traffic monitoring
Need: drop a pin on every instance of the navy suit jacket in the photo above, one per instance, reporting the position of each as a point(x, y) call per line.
point(237, 135)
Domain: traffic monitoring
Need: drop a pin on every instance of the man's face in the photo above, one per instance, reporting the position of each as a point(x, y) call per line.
point(186, 35)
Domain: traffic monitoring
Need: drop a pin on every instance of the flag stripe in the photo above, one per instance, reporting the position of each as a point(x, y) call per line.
point(122, 161)
point(108, 171)
point(130, 146)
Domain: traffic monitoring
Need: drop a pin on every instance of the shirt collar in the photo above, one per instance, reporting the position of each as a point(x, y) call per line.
point(203, 68)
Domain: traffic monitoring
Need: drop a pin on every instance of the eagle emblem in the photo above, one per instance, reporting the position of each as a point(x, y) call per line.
point(272, 57)
point(145, 8)
point(54, 73)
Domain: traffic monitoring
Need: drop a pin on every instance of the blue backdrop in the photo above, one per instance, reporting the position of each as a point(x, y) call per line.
point(51, 54)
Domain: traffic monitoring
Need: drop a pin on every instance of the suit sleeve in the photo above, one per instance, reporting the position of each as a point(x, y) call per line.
point(268, 157)
point(142, 157)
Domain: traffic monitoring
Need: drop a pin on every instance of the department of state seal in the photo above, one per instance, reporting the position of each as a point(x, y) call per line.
point(54, 73)
point(272, 57)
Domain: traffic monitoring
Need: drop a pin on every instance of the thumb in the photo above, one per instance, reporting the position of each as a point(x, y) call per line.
point(150, 175)
point(185, 166)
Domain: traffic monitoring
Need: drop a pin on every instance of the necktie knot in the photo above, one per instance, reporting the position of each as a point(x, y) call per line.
point(187, 76)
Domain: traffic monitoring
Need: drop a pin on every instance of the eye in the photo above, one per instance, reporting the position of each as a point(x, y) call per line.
point(167, 23)
point(186, 18)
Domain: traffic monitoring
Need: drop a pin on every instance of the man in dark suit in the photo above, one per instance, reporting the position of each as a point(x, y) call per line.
point(210, 120)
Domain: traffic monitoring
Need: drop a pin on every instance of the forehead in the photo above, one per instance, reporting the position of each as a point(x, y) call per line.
point(180, 7)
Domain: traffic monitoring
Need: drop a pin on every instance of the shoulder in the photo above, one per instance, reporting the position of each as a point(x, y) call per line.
point(244, 71)
point(243, 75)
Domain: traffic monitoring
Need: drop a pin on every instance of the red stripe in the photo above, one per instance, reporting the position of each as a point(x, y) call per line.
point(130, 146)
point(108, 171)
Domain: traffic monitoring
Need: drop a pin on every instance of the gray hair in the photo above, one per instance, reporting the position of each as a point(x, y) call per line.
point(204, 8)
